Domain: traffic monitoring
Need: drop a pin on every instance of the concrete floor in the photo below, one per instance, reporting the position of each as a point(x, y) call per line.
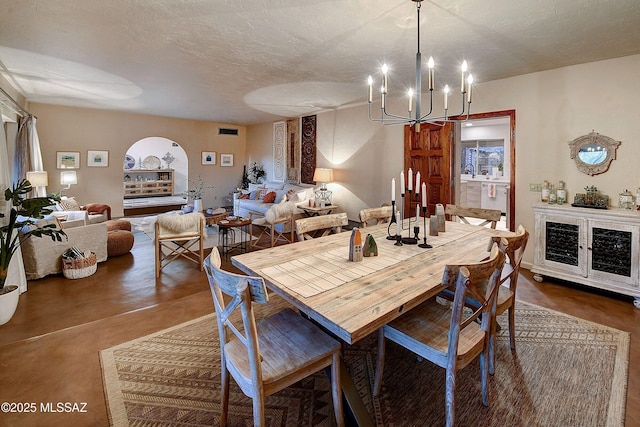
point(49, 350)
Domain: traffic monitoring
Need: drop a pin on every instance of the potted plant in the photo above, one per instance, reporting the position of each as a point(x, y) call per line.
point(258, 173)
point(10, 240)
point(195, 192)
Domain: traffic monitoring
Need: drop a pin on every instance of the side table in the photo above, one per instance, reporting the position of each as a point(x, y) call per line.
point(227, 235)
point(212, 219)
point(316, 211)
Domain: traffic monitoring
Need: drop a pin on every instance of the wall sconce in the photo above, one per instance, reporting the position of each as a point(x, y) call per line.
point(67, 178)
point(38, 179)
point(323, 196)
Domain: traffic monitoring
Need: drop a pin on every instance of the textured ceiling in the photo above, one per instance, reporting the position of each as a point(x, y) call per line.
point(252, 61)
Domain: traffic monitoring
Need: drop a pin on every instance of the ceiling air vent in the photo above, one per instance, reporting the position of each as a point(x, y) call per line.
point(227, 131)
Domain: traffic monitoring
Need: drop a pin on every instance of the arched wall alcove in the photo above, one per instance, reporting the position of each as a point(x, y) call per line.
point(159, 147)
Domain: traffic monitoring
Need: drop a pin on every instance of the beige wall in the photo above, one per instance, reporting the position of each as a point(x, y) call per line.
point(80, 129)
point(552, 108)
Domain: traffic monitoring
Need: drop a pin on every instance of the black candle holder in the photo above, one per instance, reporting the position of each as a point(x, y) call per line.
point(398, 240)
point(402, 211)
point(424, 227)
point(392, 221)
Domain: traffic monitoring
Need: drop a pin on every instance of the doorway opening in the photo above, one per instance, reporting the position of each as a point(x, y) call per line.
point(155, 176)
point(484, 164)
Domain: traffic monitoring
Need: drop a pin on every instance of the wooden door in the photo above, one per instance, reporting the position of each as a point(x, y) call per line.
point(429, 152)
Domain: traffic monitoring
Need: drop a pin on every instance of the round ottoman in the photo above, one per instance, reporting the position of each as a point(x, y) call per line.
point(118, 224)
point(119, 242)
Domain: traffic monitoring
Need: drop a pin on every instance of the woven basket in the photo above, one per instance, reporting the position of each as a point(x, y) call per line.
point(79, 268)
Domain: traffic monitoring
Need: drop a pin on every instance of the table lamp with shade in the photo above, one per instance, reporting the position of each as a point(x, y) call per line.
point(38, 179)
point(67, 178)
point(323, 196)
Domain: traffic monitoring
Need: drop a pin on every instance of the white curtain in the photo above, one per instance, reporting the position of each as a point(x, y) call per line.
point(16, 268)
point(28, 154)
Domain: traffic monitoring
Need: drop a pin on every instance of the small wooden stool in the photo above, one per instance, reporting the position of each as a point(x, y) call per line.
point(118, 224)
point(119, 242)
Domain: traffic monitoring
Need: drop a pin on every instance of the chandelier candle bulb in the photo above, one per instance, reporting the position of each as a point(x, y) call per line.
point(431, 65)
point(446, 98)
point(417, 183)
point(385, 69)
point(470, 82)
point(424, 195)
point(370, 81)
point(402, 182)
point(410, 100)
point(464, 71)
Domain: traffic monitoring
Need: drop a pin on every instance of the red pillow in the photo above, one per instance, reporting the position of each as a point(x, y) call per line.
point(270, 197)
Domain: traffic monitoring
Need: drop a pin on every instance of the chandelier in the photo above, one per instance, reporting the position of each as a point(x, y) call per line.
point(416, 116)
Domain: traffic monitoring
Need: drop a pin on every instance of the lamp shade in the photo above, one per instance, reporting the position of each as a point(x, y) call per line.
point(68, 177)
point(323, 175)
point(38, 178)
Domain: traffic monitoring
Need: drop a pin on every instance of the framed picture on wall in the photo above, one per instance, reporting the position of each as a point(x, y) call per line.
point(208, 157)
point(68, 159)
point(226, 159)
point(98, 158)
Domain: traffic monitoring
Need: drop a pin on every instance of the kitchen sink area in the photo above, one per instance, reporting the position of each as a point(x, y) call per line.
point(484, 192)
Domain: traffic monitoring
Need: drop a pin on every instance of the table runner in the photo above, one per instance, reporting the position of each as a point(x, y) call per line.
point(320, 272)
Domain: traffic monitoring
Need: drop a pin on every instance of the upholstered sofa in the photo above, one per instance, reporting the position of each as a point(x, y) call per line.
point(68, 209)
point(254, 203)
point(43, 256)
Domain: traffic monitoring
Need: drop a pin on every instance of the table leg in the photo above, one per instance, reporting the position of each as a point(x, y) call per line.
point(354, 408)
point(355, 412)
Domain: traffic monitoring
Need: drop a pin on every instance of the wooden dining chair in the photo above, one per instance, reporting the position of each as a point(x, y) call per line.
point(445, 334)
point(379, 215)
point(318, 226)
point(179, 236)
point(513, 247)
point(269, 355)
point(276, 230)
point(490, 216)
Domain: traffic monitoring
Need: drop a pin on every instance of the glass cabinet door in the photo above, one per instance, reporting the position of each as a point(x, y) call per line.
point(563, 244)
point(611, 252)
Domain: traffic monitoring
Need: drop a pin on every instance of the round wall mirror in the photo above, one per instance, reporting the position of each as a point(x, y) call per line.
point(593, 153)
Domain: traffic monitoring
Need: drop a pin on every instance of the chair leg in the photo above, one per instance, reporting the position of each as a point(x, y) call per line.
point(158, 260)
point(512, 326)
point(377, 384)
point(484, 375)
point(336, 390)
point(492, 346)
point(224, 405)
point(258, 410)
point(449, 396)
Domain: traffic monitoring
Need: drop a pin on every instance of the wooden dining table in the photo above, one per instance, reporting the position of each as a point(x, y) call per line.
point(354, 299)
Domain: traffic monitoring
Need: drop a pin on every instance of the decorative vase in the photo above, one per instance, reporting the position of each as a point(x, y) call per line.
point(197, 205)
point(8, 302)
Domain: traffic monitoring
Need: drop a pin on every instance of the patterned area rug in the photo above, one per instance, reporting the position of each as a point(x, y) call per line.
point(566, 372)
